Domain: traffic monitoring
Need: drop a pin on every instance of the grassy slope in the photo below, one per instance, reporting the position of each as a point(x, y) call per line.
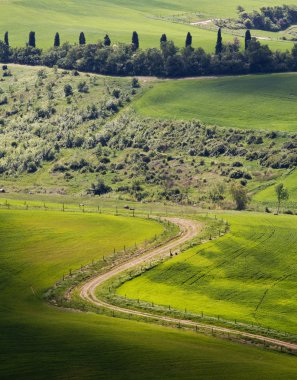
point(38, 342)
point(34, 135)
point(254, 102)
point(115, 17)
point(26, 94)
point(268, 196)
point(248, 275)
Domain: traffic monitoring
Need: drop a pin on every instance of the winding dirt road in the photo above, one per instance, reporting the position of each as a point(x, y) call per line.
point(189, 229)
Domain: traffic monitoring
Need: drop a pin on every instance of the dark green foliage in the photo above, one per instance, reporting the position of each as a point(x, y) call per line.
point(163, 38)
point(3, 101)
point(219, 44)
point(6, 40)
point(247, 39)
point(270, 18)
point(57, 40)
point(189, 39)
point(32, 40)
point(99, 188)
point(107, 40)
point(135, 41)
point(4, 52)
point(168, 61)
point(68, 90)
point(82, 39)
point(260, 57)
point(135, 83)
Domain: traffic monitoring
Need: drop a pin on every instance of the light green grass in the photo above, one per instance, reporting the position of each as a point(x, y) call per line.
point(40, 342)
point(248, 275)
point(268, 195)
point(251, 102)
point(115, 17)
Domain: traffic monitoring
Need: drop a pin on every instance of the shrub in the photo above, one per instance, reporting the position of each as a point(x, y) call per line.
point(7, 73)
point(68, 91)
point(135, 83)
point(31, 167)
point(116, 92)
point(237, 164)
point(99, 188)
point(83, 87)
point(289, 212)
point(4, 101)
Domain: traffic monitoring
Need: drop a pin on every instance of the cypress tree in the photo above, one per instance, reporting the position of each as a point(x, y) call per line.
point(57, 40)
point(163, 38)
point(219, 45)
point(82, 39)
point(32, 40)
point(6, 39)
point(247, 39)
point(189, 39)
point(135, 40)
point(107, 41)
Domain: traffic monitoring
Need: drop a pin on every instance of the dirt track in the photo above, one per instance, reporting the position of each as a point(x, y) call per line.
point(189, 230)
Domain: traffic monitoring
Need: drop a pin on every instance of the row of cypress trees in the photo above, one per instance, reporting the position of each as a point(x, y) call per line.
point(106, 40)
point(219, 44)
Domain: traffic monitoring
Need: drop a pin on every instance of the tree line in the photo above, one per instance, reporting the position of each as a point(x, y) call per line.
point(168, 60)
point(272, 19)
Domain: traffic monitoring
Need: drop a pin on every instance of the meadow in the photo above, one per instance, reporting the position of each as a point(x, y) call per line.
point(267, 195)
point(248, 275)
point(41, 342)
point(265, 102)
point(118, 19)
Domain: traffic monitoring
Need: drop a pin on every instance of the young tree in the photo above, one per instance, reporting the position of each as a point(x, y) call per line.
point(82, 39)
point(189, 39)
point(135, 40)
point(247, 39)
point(239, 194)
point(107, 41)
point(219, 44)
point(163, 38)
point(32, 40)
point(6, 39)
point(57, 40)
point(282, 194)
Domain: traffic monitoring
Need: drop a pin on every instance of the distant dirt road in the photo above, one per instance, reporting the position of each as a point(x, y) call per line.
point(189, 229)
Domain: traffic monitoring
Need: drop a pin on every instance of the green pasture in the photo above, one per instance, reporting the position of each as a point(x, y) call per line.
point(41, 342)
point(248, 275)
point(117, 18)
point(263, 102)
point(268, 195)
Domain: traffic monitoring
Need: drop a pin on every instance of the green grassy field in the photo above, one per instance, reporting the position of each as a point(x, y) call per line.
point(39, 342)
point(251, 102)
point(117, 18)
point(268, 196)
point(248, 275)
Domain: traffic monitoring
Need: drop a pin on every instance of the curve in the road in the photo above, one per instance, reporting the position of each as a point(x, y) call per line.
point(189, 229)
